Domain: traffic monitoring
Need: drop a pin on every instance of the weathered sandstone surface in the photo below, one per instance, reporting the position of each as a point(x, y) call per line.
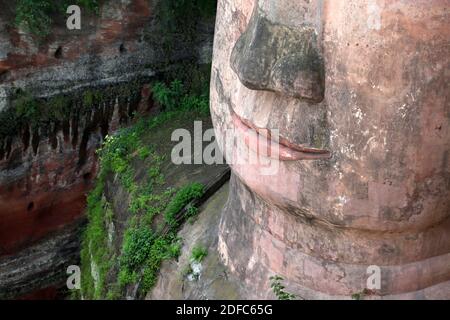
point(46, 170)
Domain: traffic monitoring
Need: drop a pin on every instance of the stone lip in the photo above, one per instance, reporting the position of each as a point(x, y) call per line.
point(279, 148)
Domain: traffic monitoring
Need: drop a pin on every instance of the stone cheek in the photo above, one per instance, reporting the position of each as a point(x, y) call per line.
point(383, 199)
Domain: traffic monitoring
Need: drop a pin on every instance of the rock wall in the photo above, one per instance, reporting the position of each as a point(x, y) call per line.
point(102, 73)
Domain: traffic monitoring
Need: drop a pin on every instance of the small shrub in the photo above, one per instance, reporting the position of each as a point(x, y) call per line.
point(191, 212)
point(169, 97)
point(126, 277)
point(137, 246)
point(175, 250)
point(181, 199)
point(199, 253)
point(278, 289)
point(144, 152)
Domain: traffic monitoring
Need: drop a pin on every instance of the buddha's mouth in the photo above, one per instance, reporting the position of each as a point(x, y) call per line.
point(263, 142)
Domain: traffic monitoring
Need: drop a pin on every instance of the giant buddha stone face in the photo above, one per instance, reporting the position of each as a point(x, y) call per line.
point(359, 93)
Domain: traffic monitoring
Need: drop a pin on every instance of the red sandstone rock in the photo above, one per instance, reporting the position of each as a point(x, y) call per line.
point(44, 179)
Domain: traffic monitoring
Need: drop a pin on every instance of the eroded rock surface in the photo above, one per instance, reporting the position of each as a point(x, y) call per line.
point(42, 267)
point(46, 170)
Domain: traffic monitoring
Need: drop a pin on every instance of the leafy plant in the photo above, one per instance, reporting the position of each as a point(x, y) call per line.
point(174, 96)
point(191, 212)
point(181, 199)
point(199, 253)
point(174, 249)
point(278, 289)
point(34, 16)
point(169, 97)
point(144, 152)
point(361, 295)
point(136, 247)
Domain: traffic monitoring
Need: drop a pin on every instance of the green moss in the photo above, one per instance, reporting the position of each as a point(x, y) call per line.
point(59, 108)
point(27, 109)
point(94, 241)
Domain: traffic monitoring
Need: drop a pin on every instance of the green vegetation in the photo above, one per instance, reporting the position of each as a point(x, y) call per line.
point(361, 295)
point(278, 289)
point(35, 16)
point(181, 199)
point(39, 112)
point(175, 96)
point(199, 253)
point(96, 247)
point(155, 207)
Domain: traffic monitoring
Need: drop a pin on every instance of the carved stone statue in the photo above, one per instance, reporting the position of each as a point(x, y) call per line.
point(359, 92)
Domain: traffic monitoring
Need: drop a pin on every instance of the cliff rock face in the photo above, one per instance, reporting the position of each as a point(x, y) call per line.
point(98, 78)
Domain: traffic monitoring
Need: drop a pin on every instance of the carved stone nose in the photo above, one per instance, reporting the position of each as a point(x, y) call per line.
point(273, 57)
